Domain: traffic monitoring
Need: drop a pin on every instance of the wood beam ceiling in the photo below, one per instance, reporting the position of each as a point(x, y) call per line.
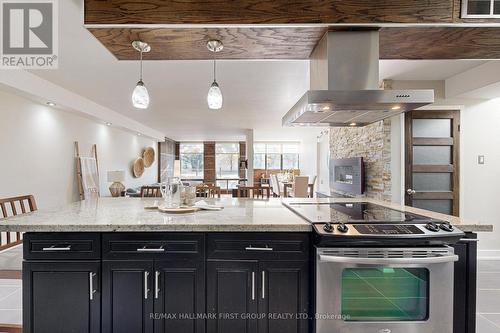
point(267, 12)
point(298, 43)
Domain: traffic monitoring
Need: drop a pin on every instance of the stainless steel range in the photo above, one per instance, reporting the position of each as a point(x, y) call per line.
point(380, 270)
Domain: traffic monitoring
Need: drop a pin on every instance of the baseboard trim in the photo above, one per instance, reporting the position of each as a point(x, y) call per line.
point(488, 254)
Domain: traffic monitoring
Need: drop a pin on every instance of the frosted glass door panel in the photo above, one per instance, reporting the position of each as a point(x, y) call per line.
point(440, 206)
point(432, 155)
point(431, 128)
point(432, 182)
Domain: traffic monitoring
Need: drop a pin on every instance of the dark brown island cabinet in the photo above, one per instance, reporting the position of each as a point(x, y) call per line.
point(185, 283)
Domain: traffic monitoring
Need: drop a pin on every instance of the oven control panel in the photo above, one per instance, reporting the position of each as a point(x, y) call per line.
point(437, 229)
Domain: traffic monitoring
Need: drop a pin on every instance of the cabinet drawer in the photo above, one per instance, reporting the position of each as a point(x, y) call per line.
point(45, 246)
point(153, 246)
point(268, 246)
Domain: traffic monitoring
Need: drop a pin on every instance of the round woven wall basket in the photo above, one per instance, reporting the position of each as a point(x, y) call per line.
point(138, 167)
point(148, 156)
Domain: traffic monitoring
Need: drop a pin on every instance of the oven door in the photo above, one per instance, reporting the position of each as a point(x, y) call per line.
point(384, 290)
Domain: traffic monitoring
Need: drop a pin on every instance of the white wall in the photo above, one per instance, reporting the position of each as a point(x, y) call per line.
point(480, 184)
point(37, 154)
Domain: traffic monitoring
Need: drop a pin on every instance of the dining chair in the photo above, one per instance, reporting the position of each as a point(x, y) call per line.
point(149, 191)
point(275, 185)
point(300, 187)
point(12, 207)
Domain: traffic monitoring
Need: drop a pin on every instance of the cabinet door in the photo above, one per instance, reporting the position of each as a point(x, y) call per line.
point(127, 300)
point(61, 297)
point(232, 296)
point(179, 296)
point(283, 296)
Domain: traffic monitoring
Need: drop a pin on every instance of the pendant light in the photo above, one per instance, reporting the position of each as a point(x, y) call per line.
point(214, 97)
point(140, 96)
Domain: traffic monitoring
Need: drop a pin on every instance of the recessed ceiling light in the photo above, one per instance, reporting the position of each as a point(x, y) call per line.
point(352, 124)
point(396, 107)
point(108, 124)
point(139, 134)
point(51, 104)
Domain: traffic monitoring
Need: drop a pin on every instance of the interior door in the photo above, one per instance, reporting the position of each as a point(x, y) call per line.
point(432, 160)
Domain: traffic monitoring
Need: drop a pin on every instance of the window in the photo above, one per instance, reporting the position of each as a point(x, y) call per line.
point(191, 155)
point(276, 156)
point(480, 9)
point(227, 158)
point(227, 161)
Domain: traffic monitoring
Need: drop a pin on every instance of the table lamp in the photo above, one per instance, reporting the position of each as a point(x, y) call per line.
point(116, 177)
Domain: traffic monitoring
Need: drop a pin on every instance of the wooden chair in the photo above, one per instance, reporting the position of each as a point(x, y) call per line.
point(253, 192)
point(150, 191)
point(208, 191)
point(12, 207)
point(11, 328)
point(300, 187)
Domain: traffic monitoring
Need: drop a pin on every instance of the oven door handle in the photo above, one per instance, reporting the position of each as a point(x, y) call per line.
point(388, 261)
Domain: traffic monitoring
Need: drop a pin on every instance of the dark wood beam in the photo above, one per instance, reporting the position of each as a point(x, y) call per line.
point(267, 11)
point(190, 44)
point(440, 43)
point(298, 43)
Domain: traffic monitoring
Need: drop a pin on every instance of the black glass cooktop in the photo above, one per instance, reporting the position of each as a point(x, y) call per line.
point(353, 212)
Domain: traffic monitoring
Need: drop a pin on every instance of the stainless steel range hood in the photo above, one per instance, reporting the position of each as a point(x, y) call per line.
point(344, 85)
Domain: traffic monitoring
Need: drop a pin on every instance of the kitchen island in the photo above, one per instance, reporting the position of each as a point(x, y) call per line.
point(110, 265)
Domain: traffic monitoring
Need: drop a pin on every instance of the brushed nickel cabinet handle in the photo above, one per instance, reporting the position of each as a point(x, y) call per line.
point(251, 248)
point(263, 285)
point(253, 286)
point(145, 249)
point(91, 285)
point(146, 289)
point(157, 284)
point(54, 248)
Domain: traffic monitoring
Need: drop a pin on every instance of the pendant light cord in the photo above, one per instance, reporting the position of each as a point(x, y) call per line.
point(214, 70)
point(141, 66)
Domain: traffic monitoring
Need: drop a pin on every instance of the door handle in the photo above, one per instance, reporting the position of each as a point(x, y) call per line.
point(91, 285)
point(146, 289)
point(157, 284)
point(411, 191)
point(388, 261)
point(253, 286)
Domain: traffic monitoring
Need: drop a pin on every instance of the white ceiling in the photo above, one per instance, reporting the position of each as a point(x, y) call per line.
point(256, 93)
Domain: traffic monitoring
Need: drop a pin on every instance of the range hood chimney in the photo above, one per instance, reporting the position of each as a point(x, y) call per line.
point(344, 85)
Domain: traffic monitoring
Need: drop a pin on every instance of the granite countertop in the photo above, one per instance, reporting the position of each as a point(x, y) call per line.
point(238, 215)
point(128, 214)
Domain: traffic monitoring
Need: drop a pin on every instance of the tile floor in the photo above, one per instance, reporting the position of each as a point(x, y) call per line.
point(488, 301)
point(488, 296)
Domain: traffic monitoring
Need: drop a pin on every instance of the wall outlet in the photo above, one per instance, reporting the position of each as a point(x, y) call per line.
point(480, 159)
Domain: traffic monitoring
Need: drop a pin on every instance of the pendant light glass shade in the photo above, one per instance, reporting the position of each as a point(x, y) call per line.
point(214, 97)
point(140, 96)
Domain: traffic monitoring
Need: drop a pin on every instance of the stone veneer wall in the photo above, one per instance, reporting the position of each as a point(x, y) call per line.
point(373, 143)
